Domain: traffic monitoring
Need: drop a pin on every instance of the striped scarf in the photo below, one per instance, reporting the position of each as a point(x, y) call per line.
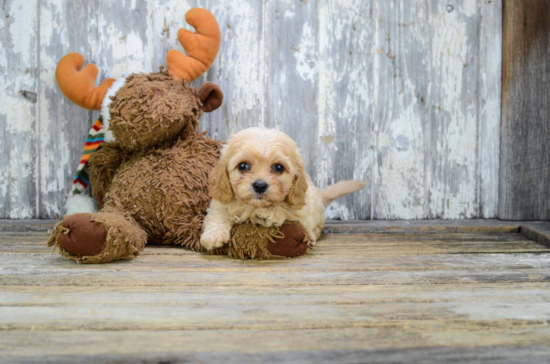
point(93, 142)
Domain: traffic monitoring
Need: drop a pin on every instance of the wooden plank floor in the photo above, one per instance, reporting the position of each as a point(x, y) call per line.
point(398, 297)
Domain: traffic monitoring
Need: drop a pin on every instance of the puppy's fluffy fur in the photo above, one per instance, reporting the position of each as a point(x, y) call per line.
point(272, 157)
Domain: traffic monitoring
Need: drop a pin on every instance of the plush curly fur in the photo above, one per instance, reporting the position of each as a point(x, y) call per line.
point(166, 190)
point(157, 169)
point(154, 175)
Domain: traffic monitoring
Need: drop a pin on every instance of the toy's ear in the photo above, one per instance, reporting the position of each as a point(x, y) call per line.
point(220, 186)
point(297, 196)
point(211, 96)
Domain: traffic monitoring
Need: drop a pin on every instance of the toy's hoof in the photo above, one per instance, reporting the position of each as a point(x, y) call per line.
point(102, 237)
point(84, 238)
point(291, 245)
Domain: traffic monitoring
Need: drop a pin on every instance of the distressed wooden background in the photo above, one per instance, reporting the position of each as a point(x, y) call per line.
point(525, 127)
point(402, 94)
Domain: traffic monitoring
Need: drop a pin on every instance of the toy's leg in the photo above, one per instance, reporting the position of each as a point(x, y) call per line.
point(255, 241)
point(294, 242)
point(99, 237)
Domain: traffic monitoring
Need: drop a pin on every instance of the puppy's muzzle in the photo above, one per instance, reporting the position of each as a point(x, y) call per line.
point(260, 186)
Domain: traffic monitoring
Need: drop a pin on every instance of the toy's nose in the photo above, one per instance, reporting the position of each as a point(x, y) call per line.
point(260, 186)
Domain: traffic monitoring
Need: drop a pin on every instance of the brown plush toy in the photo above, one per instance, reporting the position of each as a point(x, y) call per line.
point(150, 177)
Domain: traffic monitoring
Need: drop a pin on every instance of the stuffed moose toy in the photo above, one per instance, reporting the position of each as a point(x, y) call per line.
point(150, 175)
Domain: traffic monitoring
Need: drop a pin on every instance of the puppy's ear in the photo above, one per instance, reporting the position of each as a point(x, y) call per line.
point(220, 187)
point(297, 196)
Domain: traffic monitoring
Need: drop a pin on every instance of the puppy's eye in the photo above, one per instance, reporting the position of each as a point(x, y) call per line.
point(278, 168)
point(243, 167)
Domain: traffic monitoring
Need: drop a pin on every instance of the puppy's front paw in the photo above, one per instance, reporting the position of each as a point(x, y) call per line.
point(310, 241)
point(215, 238)
point(267, 217)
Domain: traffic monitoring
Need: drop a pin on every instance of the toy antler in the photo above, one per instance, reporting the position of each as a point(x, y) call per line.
point(201, 47)
point(79, 86)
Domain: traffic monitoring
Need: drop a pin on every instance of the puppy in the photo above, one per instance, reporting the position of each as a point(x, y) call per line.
point(260, 176)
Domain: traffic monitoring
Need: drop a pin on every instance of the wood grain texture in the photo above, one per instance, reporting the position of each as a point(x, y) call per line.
point(339, 345)
point(465, 297)
point(346, 98)
point(239, 69)
point(230, 308)
point(18, 109)
point(403, 95)
point(525, 152)
point(362, 226)
point(435, 135)
point(489, 107)
point(401, 115)
point(124, 37)
point(538, 232)
point(454, 64)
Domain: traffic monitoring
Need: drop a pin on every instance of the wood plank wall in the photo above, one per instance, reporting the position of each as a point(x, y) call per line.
point(525, 151)
point(402, 94)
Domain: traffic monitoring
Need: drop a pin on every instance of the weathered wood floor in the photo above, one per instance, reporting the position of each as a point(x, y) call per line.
point(390, 297)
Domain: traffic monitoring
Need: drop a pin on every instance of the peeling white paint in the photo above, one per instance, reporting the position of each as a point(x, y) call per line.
point(242, 51)
point(23, 21)
point(306, 66)
point(19, 116)
point(17, 109)
point(239, 66)
point(402, 171)
point(469, 7)
point(337, 211)
point(490, 64)
point(325, 104)
point(128, 51)
point(289, 14)
point(50, 35)
point(456, 182)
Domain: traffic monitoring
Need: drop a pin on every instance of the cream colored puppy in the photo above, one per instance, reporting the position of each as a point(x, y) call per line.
point(260, 176)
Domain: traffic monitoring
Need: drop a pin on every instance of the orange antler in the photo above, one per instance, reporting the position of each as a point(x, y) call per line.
point(79, 85)
point(201, 47)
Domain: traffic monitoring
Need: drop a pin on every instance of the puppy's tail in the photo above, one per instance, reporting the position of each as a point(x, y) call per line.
point(340, 189)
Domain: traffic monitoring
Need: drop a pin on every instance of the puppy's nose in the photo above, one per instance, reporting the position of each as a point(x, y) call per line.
point(260, 186)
